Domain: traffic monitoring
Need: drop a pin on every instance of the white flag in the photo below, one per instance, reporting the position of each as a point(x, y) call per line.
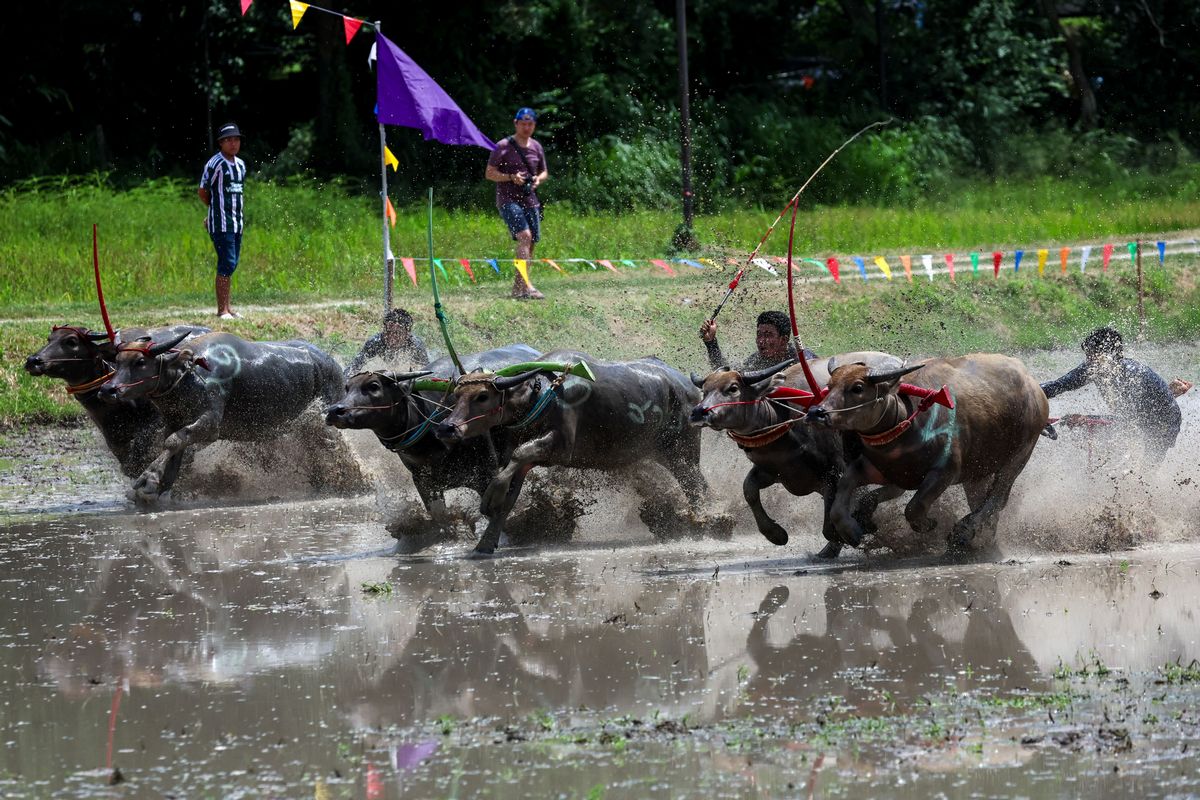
point(762, 264)
point(928, 262)
point(1083, 257)
point(371, 55)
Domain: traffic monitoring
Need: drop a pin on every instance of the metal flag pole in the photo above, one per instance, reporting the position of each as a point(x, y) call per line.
point(389, 264)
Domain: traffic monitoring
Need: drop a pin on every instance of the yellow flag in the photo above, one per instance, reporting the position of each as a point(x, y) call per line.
point(881, 262)
point(1042, 261)
point(390, 159)
point(523, 268)
point(298, 10)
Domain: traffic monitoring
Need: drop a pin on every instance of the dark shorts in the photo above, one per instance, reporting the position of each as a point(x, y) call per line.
point(229, 249)
point(518, 218)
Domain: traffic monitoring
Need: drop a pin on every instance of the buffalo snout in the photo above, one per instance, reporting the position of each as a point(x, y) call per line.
point(109, 394)
point(34, 365)
point(817, 416)
point(699, 415)
point(448, 432)
point(336, 416)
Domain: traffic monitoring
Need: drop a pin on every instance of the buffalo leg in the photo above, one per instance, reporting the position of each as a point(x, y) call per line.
point(917, 511)
point(984, 519)
point(149, 486)
point(833, 545)
point(858, 472)
point(171, 472)
point(756, 480)
point(498, 502)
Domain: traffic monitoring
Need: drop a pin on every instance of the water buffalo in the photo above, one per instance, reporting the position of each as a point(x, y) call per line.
point(219, 387)
point(634, 412)
point(982, 440)
point(133, 430)
point(403, 420)
point(803, 458)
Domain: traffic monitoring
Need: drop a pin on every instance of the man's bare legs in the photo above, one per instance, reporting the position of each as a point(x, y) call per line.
point(223, 292)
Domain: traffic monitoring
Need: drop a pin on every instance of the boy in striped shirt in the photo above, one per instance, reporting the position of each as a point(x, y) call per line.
point(221, 190)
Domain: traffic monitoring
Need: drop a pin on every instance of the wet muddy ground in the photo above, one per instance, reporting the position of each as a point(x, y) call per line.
point(282, 650)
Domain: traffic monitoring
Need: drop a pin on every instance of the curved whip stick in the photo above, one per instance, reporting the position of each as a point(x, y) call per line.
point(792, 204)
point(112, 337)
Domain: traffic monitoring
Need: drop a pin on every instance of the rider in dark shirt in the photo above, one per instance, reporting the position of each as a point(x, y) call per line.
point(772, 338)
point(1131, 389)
point(395, 343)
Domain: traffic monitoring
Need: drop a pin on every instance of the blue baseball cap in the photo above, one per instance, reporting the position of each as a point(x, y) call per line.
point(525, 113)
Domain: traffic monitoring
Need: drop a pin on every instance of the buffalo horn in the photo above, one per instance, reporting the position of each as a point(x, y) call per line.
point(399, 377)
point(697, 380)
point(758, 375)
point(96, 336)
point(503, 383)
point(874, 377)
point(159, 349)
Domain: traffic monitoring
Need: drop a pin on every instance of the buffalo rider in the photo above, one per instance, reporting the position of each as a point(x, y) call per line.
point(1130, 389)
point(772, 339)
point(396, 344)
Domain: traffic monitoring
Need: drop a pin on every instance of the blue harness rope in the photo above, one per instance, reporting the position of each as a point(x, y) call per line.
point(416, 435)
point(543, 402)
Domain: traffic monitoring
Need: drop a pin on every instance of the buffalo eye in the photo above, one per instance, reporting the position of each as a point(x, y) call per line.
point(733, 389)
point(71, 342)
point(482, 397)
point(857, 388)
point(373, 387)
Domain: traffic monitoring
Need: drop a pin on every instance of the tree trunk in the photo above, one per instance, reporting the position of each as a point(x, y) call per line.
point(1088, 111)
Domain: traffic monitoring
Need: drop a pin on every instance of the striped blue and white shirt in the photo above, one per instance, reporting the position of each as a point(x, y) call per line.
point(223, 180)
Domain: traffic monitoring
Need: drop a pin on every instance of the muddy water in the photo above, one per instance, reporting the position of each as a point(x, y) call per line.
point(234, 653)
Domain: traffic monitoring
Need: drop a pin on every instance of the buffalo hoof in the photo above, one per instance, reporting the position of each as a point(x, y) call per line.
point(775, 533)
point(481, 553)
point(830, 551)
point(852, 534)
point(922, 525)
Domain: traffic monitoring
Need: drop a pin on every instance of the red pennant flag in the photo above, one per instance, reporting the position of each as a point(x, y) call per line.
point(411, 269)
point(831, 264)
point(556, 266)
point(658, 262)
point(607, 265)
point(1107, 255)
point(997, 257)
point(351, 24)
point(467, 266)
point(246, 6)
point(907, 262)
point(391, 212)
point(950, 265)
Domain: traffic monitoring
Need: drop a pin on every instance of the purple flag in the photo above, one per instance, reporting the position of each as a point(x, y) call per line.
point(408, 97)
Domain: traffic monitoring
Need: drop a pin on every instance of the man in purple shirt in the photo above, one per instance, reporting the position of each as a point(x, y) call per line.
point(518, 166)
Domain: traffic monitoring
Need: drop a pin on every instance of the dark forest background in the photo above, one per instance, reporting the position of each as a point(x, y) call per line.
point(980, 90)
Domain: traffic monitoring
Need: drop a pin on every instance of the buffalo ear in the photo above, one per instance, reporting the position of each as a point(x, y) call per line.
point(181, 357)
point(890, 376)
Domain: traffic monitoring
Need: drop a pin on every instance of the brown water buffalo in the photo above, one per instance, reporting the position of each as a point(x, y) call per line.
point(982, 442)
point(220, 387)
point(780, 447)
point(132, 429)
point(634, 412)
point(404, 421)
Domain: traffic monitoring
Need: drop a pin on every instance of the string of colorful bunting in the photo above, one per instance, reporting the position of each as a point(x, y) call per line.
point(831, 266)
point(351, 25)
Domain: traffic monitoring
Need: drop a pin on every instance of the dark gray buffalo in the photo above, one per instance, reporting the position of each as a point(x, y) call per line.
point(405, 420)
point(219, 387)
point(634, 412)
point(780, 446)
point(982, 442)
point(133, 430)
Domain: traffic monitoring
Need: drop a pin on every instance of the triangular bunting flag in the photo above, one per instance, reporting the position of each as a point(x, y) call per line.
point(997, 257)
point(1162, 251)
point(467, 266)
point(1133, 248)
point(389, 159)
point(352, 25)
point(556, 266)
point(522, 267)
point(664, 266)
point(437, 262)
point(691, 263)
point(628, 263)
point(708, 262)
point(411, 269)
point(762, 264)
point(1084, 252)
point(907, 262)
point(1042, 261)
point(834, 268)
point(391, 213)
point(371, 60)
point(1062, 256)
point(1108, 248)
point(881, 262)
point(298, 10)
point(246, 6)
point(607, 265)
point(950, 266)
point(927, 262)
point(862, 267)
point(975, 264)
point(492, 262)
point(1017, 260)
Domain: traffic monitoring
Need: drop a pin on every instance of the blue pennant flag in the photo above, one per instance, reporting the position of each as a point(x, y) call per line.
point(495, 266)
point(1017, 260)
point(862, 267)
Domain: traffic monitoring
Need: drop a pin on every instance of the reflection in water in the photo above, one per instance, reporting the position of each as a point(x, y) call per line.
point(247, 656)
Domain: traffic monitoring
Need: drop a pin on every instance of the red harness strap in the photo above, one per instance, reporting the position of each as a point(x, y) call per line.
point(930, 397)
point(80, 388)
